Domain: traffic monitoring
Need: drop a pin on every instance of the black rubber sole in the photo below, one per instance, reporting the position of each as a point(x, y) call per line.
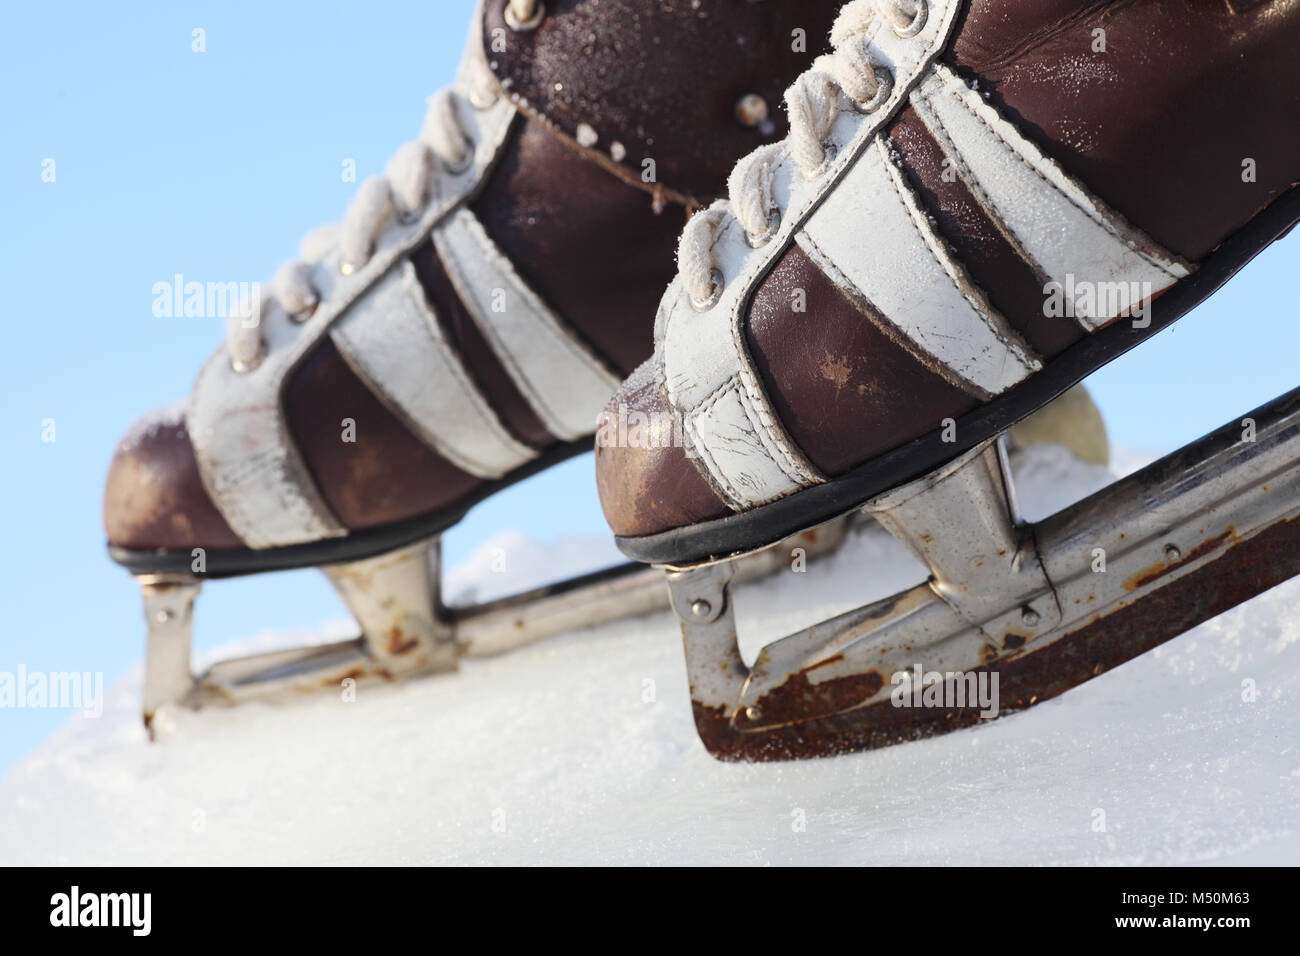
point(809, 507)
point(354, 547)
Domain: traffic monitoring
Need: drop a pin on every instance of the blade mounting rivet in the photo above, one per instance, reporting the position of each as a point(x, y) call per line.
point(753, 713)
point(701, 607)
point(165, 615)
point(1172, 553)
point(1029, 616)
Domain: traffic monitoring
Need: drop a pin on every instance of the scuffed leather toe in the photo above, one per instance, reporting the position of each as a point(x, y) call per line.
point(154, 498)
point(646, 480)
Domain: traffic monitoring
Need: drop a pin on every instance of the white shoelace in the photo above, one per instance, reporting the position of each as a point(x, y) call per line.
point(398, 196)
point(814, 102)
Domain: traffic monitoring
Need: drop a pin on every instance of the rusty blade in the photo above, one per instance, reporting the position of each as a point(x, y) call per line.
point(1243, 570)
point(1185, 539)
point(407, 631)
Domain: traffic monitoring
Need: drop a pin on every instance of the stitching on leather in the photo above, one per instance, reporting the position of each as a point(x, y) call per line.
point(223, 480)
point(456, 367)
point(827, 264)
point(892, 176)
point(790, 468)
point(720, 478)
point(929, 241)
point(405, 294)
point(707, 467)
point(717, 395)
point(873, 314)
point(910, 68)
point(930, 116)
point(352, 348)
point(466, 290)
point(954, 86)
point(732, 384)
point(276, 478)
point(537, 309)
point(692, 443)
point(767, 426)
point(913, 66)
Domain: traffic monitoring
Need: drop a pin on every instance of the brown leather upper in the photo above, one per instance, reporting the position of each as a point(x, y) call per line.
point(1009, 282)
point(468, 340)
point(153, 494)
point(588, 238)
point(858, 371)
point(662, 79)
point(591, 246)
point(1158, 126)
point(656, 485)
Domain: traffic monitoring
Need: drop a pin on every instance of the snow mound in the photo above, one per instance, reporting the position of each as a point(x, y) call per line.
point(581, 750)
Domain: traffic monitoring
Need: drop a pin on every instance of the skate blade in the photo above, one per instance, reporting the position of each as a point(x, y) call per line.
point(1012, 613)
point(406, 629)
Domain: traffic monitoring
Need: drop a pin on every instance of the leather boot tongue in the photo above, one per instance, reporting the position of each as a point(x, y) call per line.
point(666, 95)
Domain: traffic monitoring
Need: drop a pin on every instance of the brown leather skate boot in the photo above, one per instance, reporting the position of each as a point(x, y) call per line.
point(978, 204)
point(461, 328)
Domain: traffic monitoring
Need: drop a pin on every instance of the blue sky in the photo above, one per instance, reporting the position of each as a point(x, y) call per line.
point(213, 165)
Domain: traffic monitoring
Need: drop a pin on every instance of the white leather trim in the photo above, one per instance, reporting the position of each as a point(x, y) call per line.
point(564, 382)
point(737, 451)
point(1055, 223)
point(247, 461)
point(392, 340)
point(872, 238)
point(698, 353)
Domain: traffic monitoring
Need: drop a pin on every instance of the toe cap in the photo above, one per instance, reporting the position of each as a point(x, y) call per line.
point(154, 498)
point(646, 480)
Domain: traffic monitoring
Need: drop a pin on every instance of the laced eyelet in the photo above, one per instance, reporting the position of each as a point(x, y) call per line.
point(305, 313)
point(918, 21)
point(715, 293)
point(407, 217)
point(829, 152)
point(773, 227)
point(524, 26)
point(884, 87)
point(243, 368)
point(482, 100)
point(461, 165)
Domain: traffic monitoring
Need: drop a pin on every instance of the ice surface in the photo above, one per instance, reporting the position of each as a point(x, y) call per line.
point(581, 750)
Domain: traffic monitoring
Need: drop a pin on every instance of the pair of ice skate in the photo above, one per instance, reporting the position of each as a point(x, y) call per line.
point(851, 329)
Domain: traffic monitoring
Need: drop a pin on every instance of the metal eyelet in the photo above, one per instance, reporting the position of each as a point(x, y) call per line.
point(715, 293)
point(524, 26)
point(751, 111)
point(830, 151)
point(347, 268)
point(884, 87)
point(918, 21)
point(302, 315)
point(773, 227)
point(243, 368)
point(460, 166)
point(481, 100)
